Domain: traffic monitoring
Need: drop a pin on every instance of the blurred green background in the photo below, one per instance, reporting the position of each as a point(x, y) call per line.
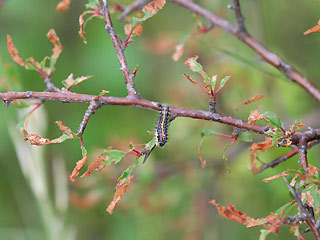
point(169, 196)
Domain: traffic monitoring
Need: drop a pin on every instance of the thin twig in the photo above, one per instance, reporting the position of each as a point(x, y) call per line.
point(94, 105)
point(273, 59)
point(305, 214)
point(134, 6)
point(285, 157)
point(239, 17)
point(131, 89)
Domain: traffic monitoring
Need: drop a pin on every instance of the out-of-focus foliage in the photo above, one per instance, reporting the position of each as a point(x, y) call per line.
point(170, 193)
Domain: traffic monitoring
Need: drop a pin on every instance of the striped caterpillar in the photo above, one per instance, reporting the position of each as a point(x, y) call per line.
point(161, 133)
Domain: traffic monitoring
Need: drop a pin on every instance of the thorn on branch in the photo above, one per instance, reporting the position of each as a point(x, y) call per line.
point(94, 105)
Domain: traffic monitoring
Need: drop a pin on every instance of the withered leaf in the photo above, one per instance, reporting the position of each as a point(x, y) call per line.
point(255, 115)
point(97, 165)
point(121, 188)
point(13, 51)
point(153, 6)
point(136, 31)
point(253, 99)
point(282, 174)
point(63, 5)
point(256, 147)
point(78, 167)
point(231, 213)
point(54, 39)
point(313, 29)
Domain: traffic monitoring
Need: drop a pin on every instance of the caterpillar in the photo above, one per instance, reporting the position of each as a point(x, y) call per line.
point(161, 133)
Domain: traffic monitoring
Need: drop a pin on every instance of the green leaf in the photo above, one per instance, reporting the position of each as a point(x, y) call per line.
point(273, 119)
point(245, 136)
point(115, 155)
point(209, 132)
point(288, 206)
point(315, 195)
point(128, 171)
point(224, 81)
point(92, 4)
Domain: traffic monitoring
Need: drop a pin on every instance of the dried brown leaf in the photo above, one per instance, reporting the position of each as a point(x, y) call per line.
point(120, 190)
point(78, 167)
point(282, 174)
point(96, 165)
point(203, 162)
point(54, 39)
point(136, 31)
point(313, 170)
point(190, 79)
point(63, 5)
point(253, 99)
point(255, 115)
point(313, 29)
point(256, 147)
point(231, 213)
point(13, 51)
point(63, 128)
point(153, 6)
point(191, 62)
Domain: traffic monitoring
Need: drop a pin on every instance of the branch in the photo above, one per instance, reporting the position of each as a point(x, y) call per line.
point(134, 6)
point(50, 86)
point(94, 105)
point(305, 214)
point(131, 89)
point(239, 17)
point(273, 59)
point(285, 157)
point(68, 97)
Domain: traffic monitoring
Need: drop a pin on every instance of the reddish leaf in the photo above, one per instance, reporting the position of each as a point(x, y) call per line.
point(314, 29)
point(120, 190)
point(63, 5)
